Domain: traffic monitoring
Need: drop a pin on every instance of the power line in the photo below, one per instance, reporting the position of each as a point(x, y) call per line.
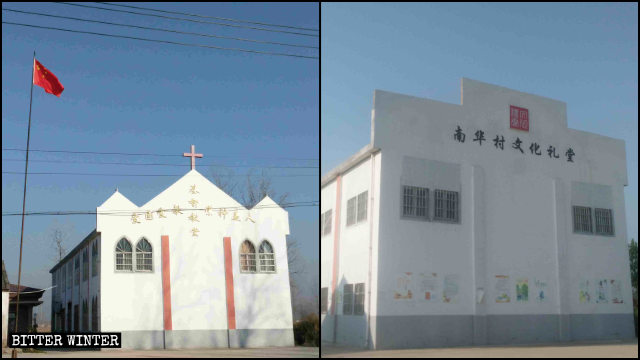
point(142, 154)
point(182, 19)
point(161, 41)
point(103, 174)
point(129, 212)
point(159, 29)
point(164, 164)
point(208, 17)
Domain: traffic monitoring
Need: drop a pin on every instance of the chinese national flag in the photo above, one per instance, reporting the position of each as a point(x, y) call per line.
point(45, 79)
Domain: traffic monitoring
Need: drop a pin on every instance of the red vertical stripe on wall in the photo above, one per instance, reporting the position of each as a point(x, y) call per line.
point(166, 283)
point(228, 269)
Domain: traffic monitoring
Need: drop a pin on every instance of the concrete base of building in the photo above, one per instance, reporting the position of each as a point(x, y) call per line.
point(405, 332)
point(193, 339)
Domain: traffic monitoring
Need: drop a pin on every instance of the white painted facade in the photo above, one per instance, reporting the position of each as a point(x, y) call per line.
point(515, 222)
point(193, 219)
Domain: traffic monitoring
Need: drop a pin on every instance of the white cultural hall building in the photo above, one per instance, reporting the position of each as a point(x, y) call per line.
point(190, 268)
point(488, 222)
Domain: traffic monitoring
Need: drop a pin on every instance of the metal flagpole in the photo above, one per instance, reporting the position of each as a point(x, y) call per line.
point(14, 353)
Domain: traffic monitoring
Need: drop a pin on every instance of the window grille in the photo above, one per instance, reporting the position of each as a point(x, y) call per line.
point(247, 257)
point(415, 202)
point(124, 260)
point(76, 318)
point(582, 219)
point(64, 278)
point(85, 264)
point(267, 258)
point(77, 270)
point(327, 222)
point(69, 276)
point(358, 306)
point(94, 314)
point(94, 259)
point(446, 205)
point(362, 207)
point(347, 301)
point(324, 299)
point(351, 211)
point(85, 316)
point(604, 221)
point(144, 256)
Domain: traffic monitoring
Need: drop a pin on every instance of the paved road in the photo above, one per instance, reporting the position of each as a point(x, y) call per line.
point(298, 351)
point(628, 349)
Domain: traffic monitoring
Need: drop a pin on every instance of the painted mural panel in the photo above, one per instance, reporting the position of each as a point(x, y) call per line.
point(503, 289)
point(616, 292)
point(403, 286)
point(540, 290)
point(429, 287)
point(451, 288)
point(586, 292)
point(522, 290)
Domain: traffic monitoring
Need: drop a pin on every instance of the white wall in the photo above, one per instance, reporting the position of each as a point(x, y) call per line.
point(525, 198)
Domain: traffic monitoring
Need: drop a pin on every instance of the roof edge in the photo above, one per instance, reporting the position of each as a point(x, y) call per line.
point(77, 248)
point(346, 165)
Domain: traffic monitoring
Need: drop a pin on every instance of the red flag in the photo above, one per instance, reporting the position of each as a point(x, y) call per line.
point(45, 79)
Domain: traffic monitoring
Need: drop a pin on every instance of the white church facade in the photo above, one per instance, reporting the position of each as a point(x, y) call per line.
point(191, 268)
point(488, 222)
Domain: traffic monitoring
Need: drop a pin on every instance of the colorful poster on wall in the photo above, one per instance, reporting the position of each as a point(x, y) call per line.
point(616, 291)
point(540, 290)
point(450, 288)
point(403, 287)
point(602, 291)
point(503, 289)
point(429, 288)
point(522, 290)
point(585, 292)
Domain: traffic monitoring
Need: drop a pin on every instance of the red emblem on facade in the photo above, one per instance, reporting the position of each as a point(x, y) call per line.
point(518, 118)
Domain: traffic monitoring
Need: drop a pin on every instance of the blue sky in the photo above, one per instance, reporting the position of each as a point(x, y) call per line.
point(123, 95)
point(585, 54)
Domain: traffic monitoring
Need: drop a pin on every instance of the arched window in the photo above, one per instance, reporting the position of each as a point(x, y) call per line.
point(267, 258)
point(94, 314)
point(144, 256)
point(85, 316)
point(123, 256)
point(247, 257)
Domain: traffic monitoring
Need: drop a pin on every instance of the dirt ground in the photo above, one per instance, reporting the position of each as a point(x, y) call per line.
point(298, 351)
point(628, 349)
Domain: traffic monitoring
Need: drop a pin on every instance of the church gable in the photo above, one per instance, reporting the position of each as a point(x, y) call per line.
point(193, 190)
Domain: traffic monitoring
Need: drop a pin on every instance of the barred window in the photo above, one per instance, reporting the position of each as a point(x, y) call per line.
point(351, 211)
point(415, 202)
point(582, 219)
point(362, 206)
point(77, 270)
point(85, 316)
point(357, 208)
point(94, 314)
point(604, 221)
point(347, 300)
point(358, 306)
point(446, 205)
point(324, 299)
point(64, 277)
point(94, 259)
point(247, 257)
point(124, 260)
point(326, 221)
point(69, 275)
point(85, 264)
point(267, 258)
point(144, 256)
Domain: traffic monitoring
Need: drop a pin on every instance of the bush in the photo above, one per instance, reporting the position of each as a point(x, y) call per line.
point(306, 332)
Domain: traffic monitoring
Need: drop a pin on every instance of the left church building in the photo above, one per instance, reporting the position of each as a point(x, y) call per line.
point(191, 268)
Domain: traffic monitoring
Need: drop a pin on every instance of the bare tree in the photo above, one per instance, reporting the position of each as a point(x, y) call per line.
point(257, 190)
point(58, 238)
point(223, 178)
